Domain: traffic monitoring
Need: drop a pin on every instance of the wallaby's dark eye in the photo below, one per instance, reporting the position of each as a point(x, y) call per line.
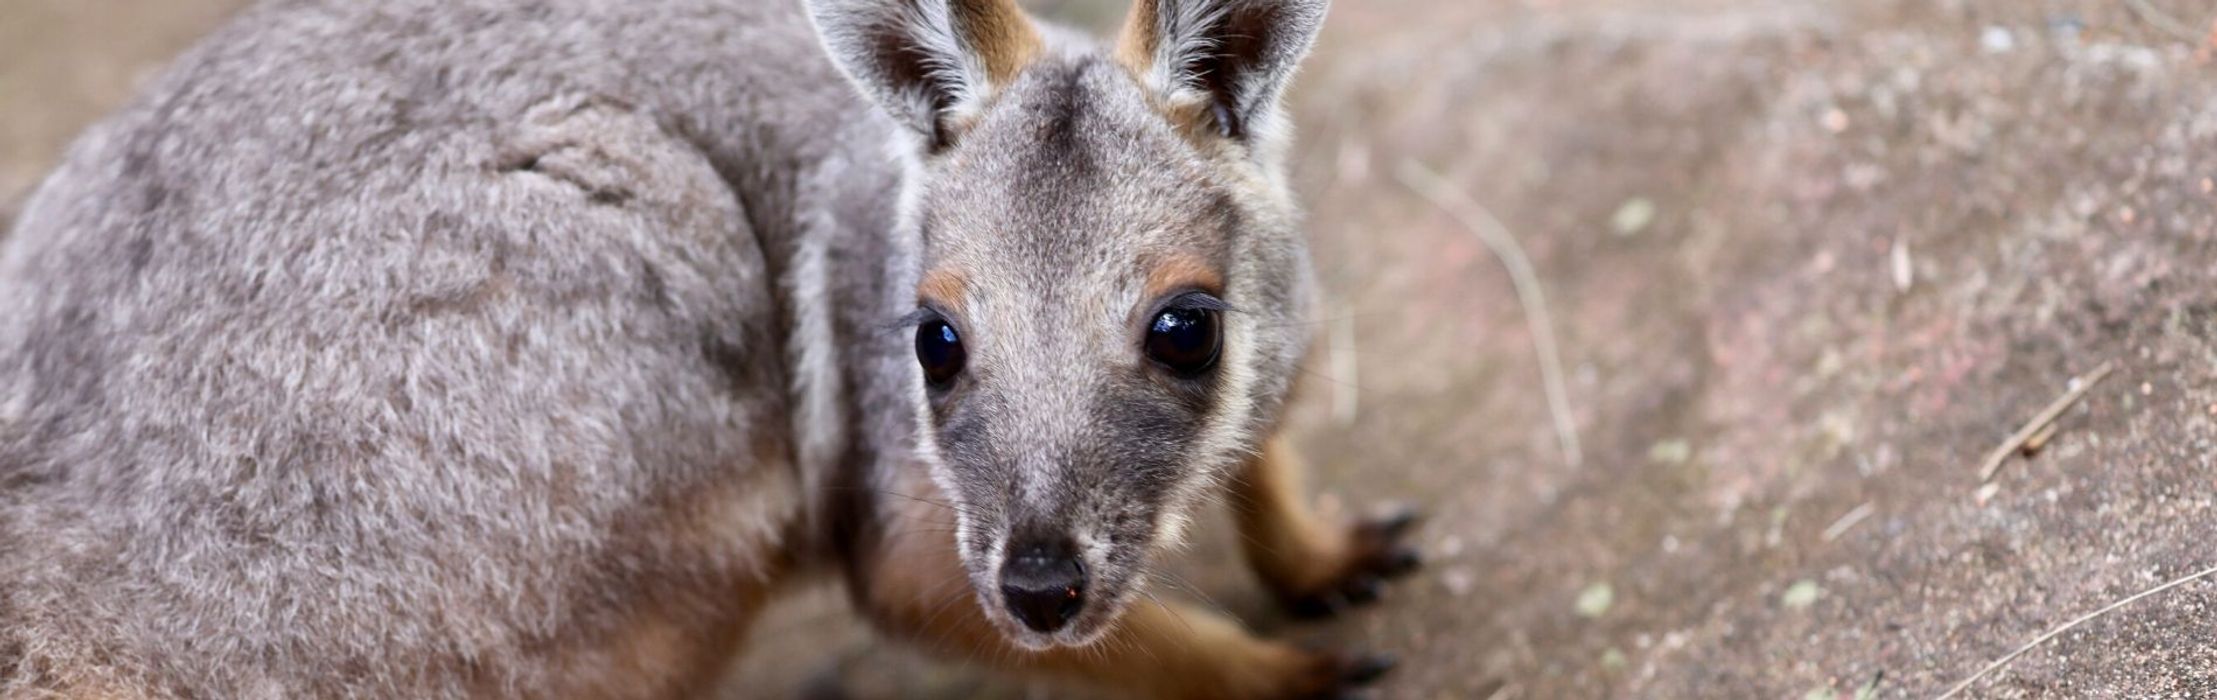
point(940, 351)
point(1184, 339)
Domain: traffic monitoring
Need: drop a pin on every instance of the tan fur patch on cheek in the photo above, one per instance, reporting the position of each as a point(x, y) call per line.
point(947, 289)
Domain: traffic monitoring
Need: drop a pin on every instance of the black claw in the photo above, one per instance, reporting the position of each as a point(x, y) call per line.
point(1378, 556)
point(1402, 560)
point(1363, 590)
point(1324, 605)
point(1392, 526)
point(1337, 602)
point(1367, 668)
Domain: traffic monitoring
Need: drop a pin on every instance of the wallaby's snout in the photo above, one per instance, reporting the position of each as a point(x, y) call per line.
point(1043, 582)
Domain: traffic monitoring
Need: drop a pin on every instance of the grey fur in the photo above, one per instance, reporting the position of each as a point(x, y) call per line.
point(422, 348)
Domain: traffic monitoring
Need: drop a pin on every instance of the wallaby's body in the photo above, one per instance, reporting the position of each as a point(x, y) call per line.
point(434, 348)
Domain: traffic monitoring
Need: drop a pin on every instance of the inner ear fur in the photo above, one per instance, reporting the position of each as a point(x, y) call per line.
point(1002, 36)
point(928, 63)
point(1218, 66)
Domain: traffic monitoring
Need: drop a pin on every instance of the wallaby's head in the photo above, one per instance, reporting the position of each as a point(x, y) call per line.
point(1112, 287)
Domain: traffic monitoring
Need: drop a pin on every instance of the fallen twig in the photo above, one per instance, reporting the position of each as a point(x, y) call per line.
point(1495, 236)
point(2039, 441)
point(1848, 522)
point(2017, 440)
point(2005, 659)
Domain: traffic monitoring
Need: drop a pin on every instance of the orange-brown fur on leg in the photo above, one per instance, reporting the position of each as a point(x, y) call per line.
point(1314, 567)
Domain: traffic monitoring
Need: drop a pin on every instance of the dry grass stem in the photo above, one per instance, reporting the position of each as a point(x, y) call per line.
point(2005, 659)
point(2025, 434)
point(1489, 230)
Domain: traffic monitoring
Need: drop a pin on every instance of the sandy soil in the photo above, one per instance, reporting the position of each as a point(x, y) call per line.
point(1807, 261)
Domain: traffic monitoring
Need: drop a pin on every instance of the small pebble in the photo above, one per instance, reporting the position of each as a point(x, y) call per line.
point(1633, 216)
point(1801, 594)
point(1996, 40)
point(1835, 121)
point(1595, 600)
point(1904, 273)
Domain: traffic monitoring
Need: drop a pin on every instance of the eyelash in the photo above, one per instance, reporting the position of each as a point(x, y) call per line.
point(922, 315)
point(1195, 300)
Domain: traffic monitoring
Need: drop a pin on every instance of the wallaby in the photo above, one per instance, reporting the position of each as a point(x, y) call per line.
point(526, 348)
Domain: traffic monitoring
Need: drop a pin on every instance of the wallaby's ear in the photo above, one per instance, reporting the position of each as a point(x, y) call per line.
point(928, 63)
point(1220, 64)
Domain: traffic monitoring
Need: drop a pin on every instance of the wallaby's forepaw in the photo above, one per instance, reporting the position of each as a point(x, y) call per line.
point(1338, 675)
point(1375, 553)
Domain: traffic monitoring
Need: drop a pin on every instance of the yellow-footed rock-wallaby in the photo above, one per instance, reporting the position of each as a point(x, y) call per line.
point(522, 348)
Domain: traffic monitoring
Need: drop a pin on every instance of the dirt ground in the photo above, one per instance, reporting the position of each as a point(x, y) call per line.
point(1808, 262)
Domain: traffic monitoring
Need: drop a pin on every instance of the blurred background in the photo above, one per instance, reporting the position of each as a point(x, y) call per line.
point(1806, 263)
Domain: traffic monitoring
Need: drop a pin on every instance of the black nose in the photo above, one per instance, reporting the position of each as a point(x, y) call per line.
point(1044, 585)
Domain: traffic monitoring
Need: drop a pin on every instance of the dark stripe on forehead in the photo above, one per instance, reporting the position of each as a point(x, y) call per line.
point(1054, 174)
point(1060, 112)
